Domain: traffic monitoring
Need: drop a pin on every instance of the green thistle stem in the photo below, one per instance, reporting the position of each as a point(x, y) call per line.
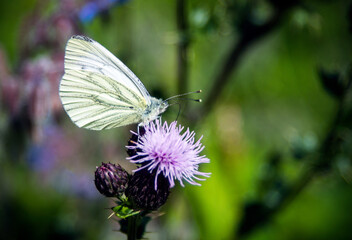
point(132, 228)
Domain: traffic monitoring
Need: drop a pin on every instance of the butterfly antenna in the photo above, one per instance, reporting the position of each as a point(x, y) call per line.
point(183, 94)
point(190, 99)
point(179, 100)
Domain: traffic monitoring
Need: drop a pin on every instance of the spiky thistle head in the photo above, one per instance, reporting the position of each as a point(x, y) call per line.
point(164, 149)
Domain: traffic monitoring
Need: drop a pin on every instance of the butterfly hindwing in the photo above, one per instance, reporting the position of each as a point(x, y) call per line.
point(94, 101)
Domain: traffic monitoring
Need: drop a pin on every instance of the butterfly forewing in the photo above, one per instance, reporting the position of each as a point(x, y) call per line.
point(83, 53)
point(97, 90)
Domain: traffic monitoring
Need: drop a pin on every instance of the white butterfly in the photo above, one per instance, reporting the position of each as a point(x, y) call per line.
point(99, 92)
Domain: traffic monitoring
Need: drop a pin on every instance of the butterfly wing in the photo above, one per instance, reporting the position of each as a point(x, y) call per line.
point(97, 90)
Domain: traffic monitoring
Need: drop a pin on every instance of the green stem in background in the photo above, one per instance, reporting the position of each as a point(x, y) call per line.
point(182, 46)
point(230, 62)
point(132, 228)
point(248, 37)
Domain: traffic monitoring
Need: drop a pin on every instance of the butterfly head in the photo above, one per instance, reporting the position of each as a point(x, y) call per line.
point(152, 112)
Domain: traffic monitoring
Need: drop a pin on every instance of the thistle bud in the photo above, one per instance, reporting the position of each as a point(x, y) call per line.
point(111, 180)
point(141, 190)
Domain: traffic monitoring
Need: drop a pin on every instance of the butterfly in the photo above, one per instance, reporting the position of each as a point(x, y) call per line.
point(99, 92)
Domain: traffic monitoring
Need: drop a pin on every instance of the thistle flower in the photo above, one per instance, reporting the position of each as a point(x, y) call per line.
point(111, 179)
point(162, 149)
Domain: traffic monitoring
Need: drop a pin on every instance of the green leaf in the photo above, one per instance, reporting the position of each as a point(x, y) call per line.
point(124, 211)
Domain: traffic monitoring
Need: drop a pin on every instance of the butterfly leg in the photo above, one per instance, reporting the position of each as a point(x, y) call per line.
point(140, 130)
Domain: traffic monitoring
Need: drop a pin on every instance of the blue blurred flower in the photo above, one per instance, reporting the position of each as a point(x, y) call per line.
point(89, 11)
point(53, 157)
point(164, 149)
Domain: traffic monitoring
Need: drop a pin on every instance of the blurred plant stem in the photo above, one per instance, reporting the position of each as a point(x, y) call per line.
point(259, 213)
point(182, 47)
point(250, 33)
point(132, 228)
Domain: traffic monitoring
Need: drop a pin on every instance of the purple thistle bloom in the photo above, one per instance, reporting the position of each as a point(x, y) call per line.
point(164, 149)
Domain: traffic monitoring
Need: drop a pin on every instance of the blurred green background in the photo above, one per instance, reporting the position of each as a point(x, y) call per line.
point(276, 124)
